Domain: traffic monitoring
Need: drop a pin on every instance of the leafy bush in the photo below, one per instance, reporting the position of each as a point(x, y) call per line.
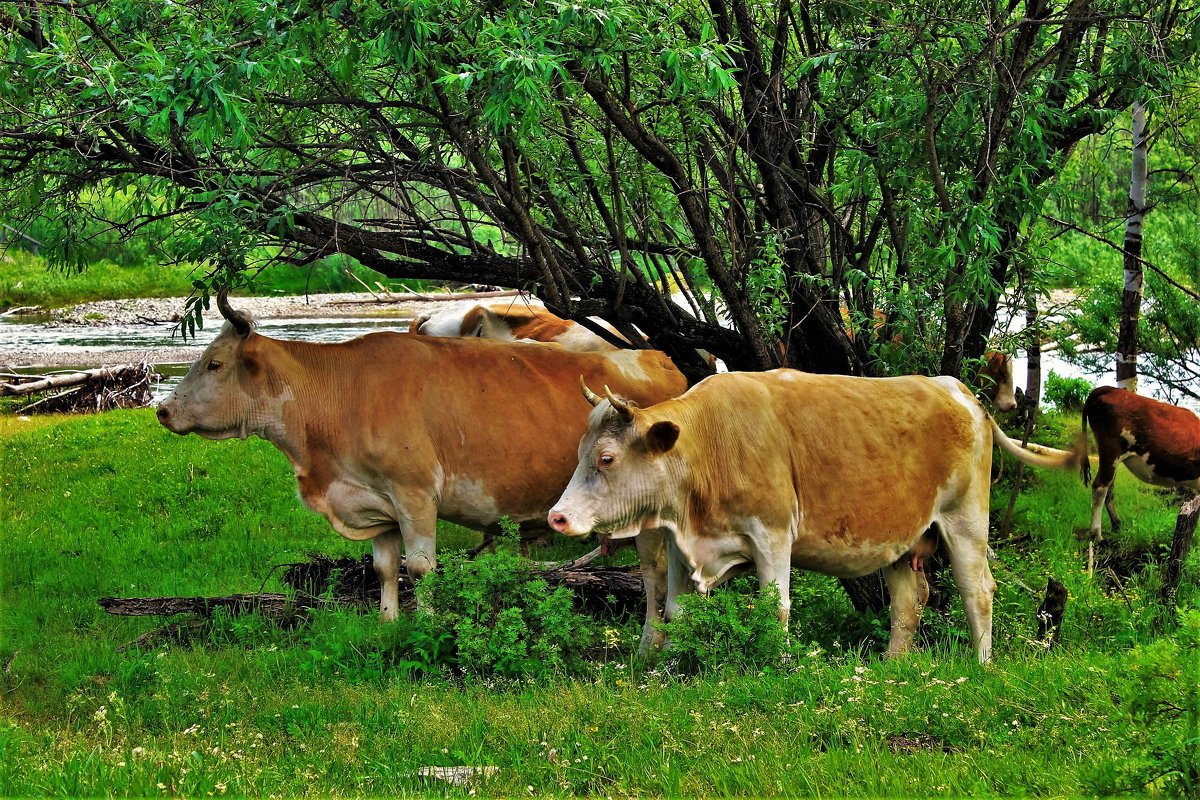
point(1066, 394)
point(1165, 706)
point(353, 647)
point(735, 625)
point(503, 620)
point(334, 274)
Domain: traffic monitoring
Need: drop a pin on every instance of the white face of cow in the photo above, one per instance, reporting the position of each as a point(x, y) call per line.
point(1006, 399)
point(626, 476)
point(450, 323)
point(213, 399)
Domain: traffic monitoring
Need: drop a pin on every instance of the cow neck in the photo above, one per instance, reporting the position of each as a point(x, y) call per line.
point(301, 388)
point(699, 461)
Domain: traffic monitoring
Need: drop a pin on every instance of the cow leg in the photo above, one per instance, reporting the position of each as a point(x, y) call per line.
point(419, 529)
point(909, 592)
point(777, 569)
point(1112, 507)
point(1102, 489)
point(386, 550)
point(652, 555)
point(964, 532)
point(420, 540)
point(679, 579)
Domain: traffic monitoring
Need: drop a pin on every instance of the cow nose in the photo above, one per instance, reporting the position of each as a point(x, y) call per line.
point(558, 521)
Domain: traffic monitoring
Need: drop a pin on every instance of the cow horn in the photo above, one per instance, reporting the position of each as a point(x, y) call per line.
point(620, 405)
point(240, 322)
point(588, 394)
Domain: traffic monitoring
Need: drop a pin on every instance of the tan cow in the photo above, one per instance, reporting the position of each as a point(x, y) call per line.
point(788, 469)
point(513, 321)
point(389, 432)
point(1158, 442)
point(996, 380)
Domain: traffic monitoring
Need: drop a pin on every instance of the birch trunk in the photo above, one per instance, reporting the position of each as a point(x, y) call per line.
point(1131, 298)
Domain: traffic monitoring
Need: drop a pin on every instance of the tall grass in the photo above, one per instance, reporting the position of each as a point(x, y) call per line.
point(115, 505)
point(29, 280)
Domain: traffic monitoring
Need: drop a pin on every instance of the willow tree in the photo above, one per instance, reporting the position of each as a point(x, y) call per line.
point(834, 182)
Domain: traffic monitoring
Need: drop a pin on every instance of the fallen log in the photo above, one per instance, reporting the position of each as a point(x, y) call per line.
point(323, 582)
point(599, 591)
point(273, 604)
point(408, 297)
point(100, 389)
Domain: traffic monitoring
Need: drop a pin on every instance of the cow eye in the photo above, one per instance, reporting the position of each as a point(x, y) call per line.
point(606, 460)
point(213, 366)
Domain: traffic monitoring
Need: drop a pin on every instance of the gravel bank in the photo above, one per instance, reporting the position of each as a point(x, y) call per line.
point(168, 311)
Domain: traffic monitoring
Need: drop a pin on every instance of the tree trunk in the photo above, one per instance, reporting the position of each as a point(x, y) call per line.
point(1131, 298)
point(1050, 613)
point(1181, 545)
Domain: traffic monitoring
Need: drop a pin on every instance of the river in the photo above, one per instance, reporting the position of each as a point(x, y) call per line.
point(77, 345)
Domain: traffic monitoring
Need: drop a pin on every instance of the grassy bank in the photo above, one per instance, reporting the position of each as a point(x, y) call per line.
point(115, 505)
point(29, 280)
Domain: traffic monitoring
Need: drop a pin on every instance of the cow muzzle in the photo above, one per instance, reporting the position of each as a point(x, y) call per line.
point(562, 523)
point(168, 418)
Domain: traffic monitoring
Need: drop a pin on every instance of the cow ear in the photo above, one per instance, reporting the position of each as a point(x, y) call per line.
point(662, 436)
point(472, 323)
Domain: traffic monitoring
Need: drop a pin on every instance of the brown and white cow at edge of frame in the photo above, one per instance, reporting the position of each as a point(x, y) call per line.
point(514, 321)
point(1158, 442)
point(996, 379)
point(388, 432)
point(788, 469)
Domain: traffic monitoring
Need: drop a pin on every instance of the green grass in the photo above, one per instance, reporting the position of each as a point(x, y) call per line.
point(29, 280)
point(115, 505)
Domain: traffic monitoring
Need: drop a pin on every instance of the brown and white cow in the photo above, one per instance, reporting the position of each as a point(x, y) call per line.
point(513, 321)
point(388, 433)
point(789, 469)
point(1158, 442)
point(516, 321)
point(996, 380)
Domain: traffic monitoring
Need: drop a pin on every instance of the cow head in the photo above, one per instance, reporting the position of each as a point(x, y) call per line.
point(216, 399)
point(626, 475)
point(997, 379)
point(452, 322)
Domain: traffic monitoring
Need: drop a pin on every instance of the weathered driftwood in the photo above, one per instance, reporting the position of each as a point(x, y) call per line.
point(273, 604)
point(322, 581)
point(408, 297)
point(100, 389)
point(599, 591)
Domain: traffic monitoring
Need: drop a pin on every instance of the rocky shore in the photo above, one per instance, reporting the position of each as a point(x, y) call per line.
point(166, 312)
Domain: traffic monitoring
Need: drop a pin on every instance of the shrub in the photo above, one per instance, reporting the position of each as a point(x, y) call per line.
point(734, 625)
point(1165, 710)
point(352, 647)
point(502, 619)
point(1066, 394)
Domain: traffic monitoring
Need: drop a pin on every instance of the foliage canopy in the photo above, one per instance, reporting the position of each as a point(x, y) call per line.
point(822, 177)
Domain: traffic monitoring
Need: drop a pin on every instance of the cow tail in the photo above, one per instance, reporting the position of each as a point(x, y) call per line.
point(1085, 468)
point(1034, 455)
